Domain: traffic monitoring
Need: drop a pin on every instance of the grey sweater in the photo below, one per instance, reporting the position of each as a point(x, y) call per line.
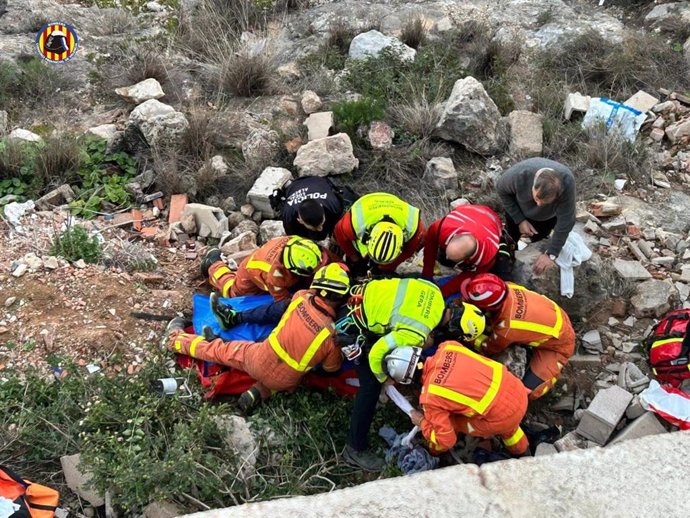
point(515, 189)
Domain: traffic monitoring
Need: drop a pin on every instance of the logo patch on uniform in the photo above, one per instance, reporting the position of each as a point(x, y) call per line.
point(57, 42)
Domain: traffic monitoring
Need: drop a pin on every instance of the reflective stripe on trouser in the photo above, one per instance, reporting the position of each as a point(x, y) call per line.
point(547, 366)
point(231, 354)
point(221, 278)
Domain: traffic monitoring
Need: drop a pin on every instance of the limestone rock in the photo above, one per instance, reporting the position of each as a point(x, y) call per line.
point(289, 71)
point(159, 123)
point(162, 510)
point(319, 125)
point(106, 132)
point(143, 91)
point(23, 135)
point(260, 148)
point(515, 360)
point(370, 44)
point(441, 173)
point(78, 480)
point(653, 298)
point(219, 166)
point(245, 241)
point(526, 133)
point(311, 102)
point(270, 229)
point(470, 118)
point(668, 15)
point(240, 438)
point(330, 155)
point(246, 225)
point(381, 135)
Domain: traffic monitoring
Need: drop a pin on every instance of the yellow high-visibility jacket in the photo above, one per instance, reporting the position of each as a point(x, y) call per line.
point(403, 312)
point(373, 208)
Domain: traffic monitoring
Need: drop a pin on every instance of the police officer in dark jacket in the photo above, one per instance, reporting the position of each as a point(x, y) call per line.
point(311, 206)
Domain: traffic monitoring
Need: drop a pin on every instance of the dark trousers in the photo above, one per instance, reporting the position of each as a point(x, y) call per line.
point(270, 313)
point(364, 407)
point(543, 228)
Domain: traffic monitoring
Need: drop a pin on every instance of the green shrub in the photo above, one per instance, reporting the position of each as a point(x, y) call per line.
point(16, 171)
point(103, 178)
point(74, 244)
point(350, 115)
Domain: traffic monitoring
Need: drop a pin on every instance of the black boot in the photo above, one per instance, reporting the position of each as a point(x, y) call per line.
point(212, 256)
point(176, 324)
point(225, 315)
point(249, 400)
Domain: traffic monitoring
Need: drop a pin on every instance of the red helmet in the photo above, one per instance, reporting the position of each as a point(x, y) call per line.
point(486, 291)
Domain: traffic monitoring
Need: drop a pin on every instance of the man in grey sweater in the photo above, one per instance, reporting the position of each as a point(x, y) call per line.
point(538, 196)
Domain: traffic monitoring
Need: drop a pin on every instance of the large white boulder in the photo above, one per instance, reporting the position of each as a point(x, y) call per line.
point(370, 44)
point(143, 91)
point(330, 155)
point(471, 118)
point(158, 122)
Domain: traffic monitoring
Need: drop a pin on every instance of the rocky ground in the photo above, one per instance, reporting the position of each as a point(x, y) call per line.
point(55, 312)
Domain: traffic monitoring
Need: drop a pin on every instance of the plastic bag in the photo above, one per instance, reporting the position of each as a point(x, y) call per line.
point(618, 117)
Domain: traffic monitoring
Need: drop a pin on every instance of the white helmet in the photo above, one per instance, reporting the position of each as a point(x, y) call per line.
point(401, 363)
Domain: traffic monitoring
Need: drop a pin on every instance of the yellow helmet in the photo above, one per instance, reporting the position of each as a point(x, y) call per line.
point(385, 242)
point(301, 256)
point(467, 320)
point(331, 279)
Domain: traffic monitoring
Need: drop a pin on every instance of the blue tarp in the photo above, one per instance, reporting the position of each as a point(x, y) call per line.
point(203, 316)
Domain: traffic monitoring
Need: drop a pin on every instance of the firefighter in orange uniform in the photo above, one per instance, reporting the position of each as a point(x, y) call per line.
point(462, 392)
point(274, 268)
point(304, 338)
point(516, 315)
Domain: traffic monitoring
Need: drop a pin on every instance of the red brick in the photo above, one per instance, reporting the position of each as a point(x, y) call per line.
point(177, 205)
point(138, 218)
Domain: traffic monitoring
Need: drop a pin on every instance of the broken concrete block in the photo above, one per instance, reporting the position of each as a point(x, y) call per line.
point(631, 270)
point(319, 125)
point(526, 133)
point(592, 340)
point(271, 178)
point(210, 221)
point(642, 101)
point(603, 414)
point(653, 298)
point(544, 448)
point(631, 378)
point(635, 409)
point(271, 229)
point(647, 424)
point(575, 102)
point(571, 441)
point(78, 481)
point(245, 241)
point(60, 196)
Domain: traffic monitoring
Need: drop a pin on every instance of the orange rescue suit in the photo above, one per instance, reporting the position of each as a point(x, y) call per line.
point(531, 319)
point(467, 393)
point(303, 338)
point(262, 272)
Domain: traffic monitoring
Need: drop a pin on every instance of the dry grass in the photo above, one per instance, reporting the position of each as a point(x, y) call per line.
point(616, 70)
point(114, 21)
point(195, 143)
point(246, 74)
point(414, 32)
point(416, 117)
point(58, 161)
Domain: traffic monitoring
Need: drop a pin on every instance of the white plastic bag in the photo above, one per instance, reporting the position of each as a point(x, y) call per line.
point(618, 117)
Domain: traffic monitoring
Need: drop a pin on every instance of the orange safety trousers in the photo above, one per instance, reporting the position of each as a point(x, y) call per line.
point(255, 358)
point(507, 412)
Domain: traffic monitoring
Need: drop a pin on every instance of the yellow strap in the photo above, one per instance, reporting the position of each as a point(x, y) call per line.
point(515, 438)
point(192, 347)
point(178, 345)
point(227, 287)
point(478, 406)
point(543, 329)
point(665, 341)
point(303, 364)
point(223, 270)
